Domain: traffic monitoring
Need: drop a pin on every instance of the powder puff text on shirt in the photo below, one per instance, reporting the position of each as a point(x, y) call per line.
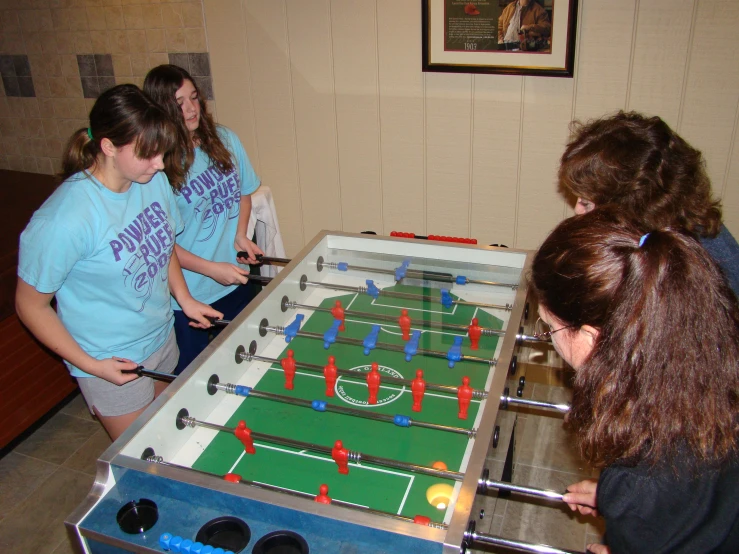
point(216, 198)
point(148, 240)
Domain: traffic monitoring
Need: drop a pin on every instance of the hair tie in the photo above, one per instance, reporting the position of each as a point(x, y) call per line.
point(89, 133)
point(643, 239)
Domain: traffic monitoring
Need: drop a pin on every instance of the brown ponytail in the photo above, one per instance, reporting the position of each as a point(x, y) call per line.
point(663, 371)
point(80, 153)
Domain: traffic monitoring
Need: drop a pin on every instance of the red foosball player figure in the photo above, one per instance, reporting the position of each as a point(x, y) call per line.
point(322, 496)
point(341, 457)
point(288, 367)
point(338, 312)
point(418, 388)
point(373, 383)
point(464, 395)
point(475, 332)
point(330, 372)
point(405, 324)
point(243, 433)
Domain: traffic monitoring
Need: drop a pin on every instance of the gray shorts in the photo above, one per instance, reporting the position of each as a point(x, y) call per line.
point(115, 400)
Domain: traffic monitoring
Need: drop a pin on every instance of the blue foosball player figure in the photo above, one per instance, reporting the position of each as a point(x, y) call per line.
point(370, 341)
point(411, 347)
point(329, 337)
point(292, 330)
point(455, 352)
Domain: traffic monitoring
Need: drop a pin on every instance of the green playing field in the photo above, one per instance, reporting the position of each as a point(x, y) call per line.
point(380, 488)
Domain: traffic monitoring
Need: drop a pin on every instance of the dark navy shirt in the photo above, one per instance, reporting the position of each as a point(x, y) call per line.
point(725, 250)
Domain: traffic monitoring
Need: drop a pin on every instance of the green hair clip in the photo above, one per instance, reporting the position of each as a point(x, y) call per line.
point(89, 133)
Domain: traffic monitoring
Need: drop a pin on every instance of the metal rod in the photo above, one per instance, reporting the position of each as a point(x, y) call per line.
point(230, 389)
point(384, 317)
point(354, 456)
point(533, 338)
point(484, 484)
point(492, 283)
point(505, 400)
point(274, 488)
point(359, 374)
point(383, 346)
point(421, 274)
point(520, 546)
point(407, 295)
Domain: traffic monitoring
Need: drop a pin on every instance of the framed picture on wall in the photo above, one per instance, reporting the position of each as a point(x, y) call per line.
point(514, 37)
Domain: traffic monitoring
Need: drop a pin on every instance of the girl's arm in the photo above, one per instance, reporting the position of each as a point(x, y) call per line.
point(221, 272)
point(242, 243)
point(35, 311)
point(197, 311)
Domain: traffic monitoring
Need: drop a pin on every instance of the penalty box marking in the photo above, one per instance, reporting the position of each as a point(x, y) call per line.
point(303, 454)
point(454, 310)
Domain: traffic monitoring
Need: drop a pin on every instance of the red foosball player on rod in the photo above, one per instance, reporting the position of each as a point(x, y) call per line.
point(338, 312)
point(288, 367)
point(243, 433)
point(330, 372)
point(373, 383)
point(418, 389)
point(341, 457)
point(405, 324)
point(464, 395)
point(475, 332)
point(322, 496)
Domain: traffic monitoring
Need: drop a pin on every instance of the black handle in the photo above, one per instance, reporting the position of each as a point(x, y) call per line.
point(143, 372)
point(262, 259)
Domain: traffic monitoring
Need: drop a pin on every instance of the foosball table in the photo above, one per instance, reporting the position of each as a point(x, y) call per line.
point(351, 407)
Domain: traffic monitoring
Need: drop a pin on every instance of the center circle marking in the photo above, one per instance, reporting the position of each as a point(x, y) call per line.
point(359, 394)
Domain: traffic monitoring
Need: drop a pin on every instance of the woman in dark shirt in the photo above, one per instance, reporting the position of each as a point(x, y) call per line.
point(651, 328)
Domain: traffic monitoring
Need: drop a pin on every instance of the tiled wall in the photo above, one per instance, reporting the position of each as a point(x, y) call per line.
point(56, 56)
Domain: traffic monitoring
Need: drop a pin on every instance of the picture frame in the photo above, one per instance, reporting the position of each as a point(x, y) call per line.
point(483, 36)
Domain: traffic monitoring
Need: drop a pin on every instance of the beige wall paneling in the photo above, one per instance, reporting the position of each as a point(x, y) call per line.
point(271, 86)
point(496, 149)
point(603, 56)
point(659, 68)
point(401, 117)
point(354, 32)
point(448, 153)
point(229, 64)
point(312, 77)
point(731, 185)
point(546, 114)
point(712, 91)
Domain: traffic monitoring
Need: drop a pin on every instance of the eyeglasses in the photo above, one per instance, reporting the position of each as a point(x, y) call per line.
point(543, 330)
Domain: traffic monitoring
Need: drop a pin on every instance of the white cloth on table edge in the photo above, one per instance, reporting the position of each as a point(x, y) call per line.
point(263, 221)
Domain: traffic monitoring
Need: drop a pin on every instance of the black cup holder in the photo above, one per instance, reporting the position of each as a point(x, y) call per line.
point(281, 542)
point(137, 516)
point(227, 532)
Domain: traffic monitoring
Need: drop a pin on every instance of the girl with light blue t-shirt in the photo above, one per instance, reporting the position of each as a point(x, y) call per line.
point(103, 245)
point(214, 198)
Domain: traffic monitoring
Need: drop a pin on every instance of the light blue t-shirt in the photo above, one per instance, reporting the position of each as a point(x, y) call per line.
point(209, 203)
point(106, 256)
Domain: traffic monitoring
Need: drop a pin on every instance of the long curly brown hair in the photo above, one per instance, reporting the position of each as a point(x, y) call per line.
point(663, 374)
point(161, 83)
point(641, 165)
